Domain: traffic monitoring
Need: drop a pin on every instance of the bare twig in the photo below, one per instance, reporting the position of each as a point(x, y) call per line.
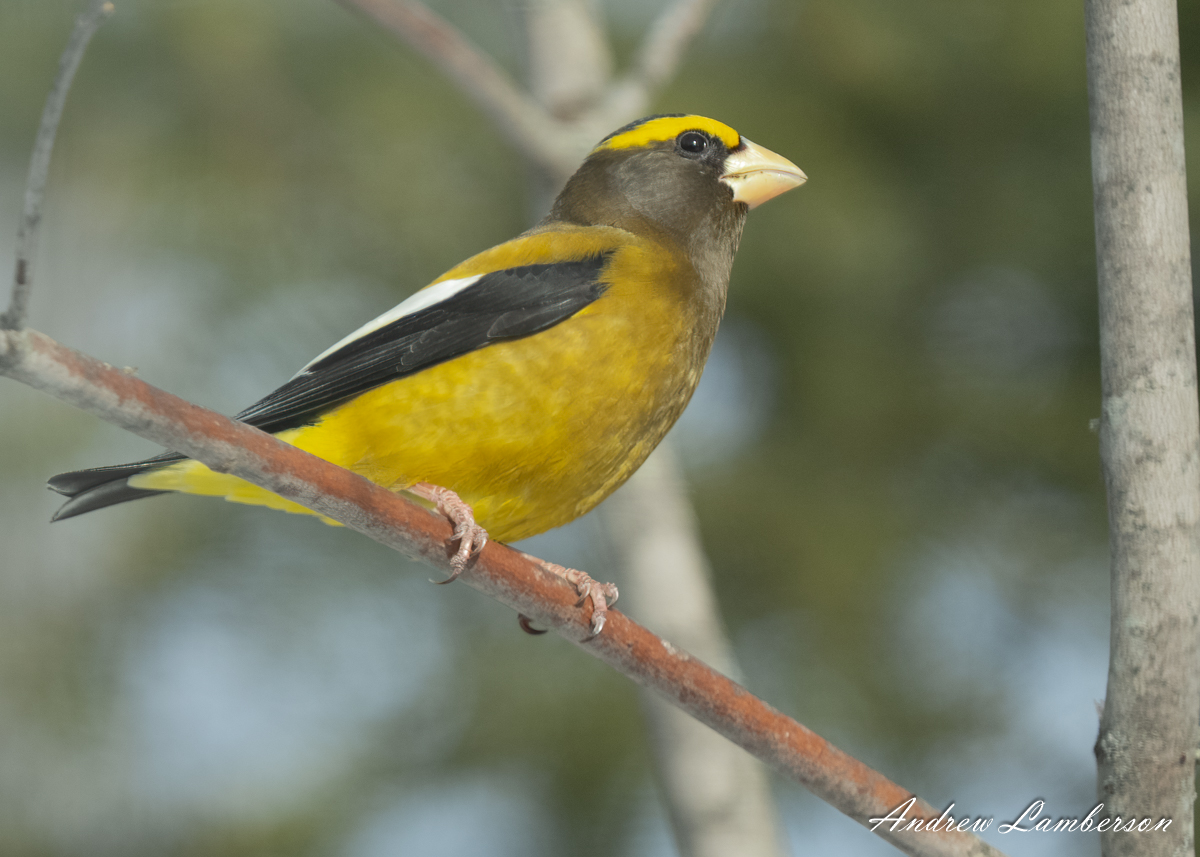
point(569, 67)
point(658, 57)
point(504, 574)
point(549, 141)
point(86, 24)
point(717, 797)
point(1149, 432)
point(663, 48)
point(569, 60)
point(530, 128)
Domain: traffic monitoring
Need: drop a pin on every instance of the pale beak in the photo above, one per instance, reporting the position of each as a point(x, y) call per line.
point(757, 174)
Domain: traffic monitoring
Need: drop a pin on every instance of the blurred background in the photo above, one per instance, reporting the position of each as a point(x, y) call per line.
point(889, 454)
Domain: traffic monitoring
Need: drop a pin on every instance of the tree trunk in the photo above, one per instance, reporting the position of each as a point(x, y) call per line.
point(1149, 436)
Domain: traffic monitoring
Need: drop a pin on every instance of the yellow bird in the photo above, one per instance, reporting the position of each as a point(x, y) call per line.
point(530, 381)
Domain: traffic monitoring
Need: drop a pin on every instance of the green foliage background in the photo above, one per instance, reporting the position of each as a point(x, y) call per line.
point(906, 519)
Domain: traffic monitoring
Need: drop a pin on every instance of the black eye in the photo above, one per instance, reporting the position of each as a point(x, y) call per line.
point(693, 143)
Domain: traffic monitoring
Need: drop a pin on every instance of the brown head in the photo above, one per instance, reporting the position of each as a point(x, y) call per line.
point(687, 178)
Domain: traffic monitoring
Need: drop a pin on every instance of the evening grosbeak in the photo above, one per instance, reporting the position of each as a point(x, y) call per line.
point(523, 386)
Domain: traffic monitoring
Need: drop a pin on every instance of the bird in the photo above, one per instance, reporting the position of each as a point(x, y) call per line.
point(524, 385)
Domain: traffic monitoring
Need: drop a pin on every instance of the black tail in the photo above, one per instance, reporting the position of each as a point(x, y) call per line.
point(104, 486)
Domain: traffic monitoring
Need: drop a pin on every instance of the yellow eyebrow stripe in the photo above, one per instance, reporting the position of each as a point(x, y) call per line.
point(669, 127)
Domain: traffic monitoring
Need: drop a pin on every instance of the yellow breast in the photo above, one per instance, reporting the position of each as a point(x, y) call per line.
point(531, 432)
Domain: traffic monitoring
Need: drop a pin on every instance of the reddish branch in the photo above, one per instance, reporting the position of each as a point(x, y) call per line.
point(506, 575)
point(510, 577)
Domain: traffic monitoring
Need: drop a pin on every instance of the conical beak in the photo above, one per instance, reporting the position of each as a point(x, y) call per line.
point(757, 174)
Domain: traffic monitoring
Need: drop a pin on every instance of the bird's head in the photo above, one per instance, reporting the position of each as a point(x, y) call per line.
point(675, 171)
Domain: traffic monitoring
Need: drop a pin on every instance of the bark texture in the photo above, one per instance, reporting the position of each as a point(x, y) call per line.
point(1149, 436)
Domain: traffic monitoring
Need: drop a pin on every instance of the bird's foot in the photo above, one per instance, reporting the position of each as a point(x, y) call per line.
point(470, 536)
point(603, 595)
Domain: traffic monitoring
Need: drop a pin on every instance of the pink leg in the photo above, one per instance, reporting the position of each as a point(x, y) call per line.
point(470, 536)
point(603, 595)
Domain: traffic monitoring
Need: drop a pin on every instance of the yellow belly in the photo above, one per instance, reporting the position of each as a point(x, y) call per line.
point(532, 433)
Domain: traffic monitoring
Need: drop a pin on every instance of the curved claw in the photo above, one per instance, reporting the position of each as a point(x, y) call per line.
point(602, 595)
point(470, 536)
point(527, 626)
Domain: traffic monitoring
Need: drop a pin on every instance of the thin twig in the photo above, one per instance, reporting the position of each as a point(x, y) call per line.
point(502, 573)
point(531, 129)
point(86, 25)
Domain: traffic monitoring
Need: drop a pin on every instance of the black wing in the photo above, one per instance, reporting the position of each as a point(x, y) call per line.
point(506, 304)
point(502, 305)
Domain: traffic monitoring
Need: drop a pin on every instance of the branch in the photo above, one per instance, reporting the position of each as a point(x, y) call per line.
point(553, 145)
point(662, 50)
point(727, 808)
point(530, 128)
point(718, 799)
point(86, 24)
point(500, 572)
point(568, 57)
point(659, 57)
point(1149, 428)
point(508, 576)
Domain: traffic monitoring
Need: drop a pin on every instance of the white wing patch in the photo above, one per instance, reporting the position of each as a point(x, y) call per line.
point(423, 299)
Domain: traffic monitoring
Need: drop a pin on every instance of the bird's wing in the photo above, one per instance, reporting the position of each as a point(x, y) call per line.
point(437, 324)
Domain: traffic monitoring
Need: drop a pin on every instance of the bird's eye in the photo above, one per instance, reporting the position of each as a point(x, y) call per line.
point(693, 143)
